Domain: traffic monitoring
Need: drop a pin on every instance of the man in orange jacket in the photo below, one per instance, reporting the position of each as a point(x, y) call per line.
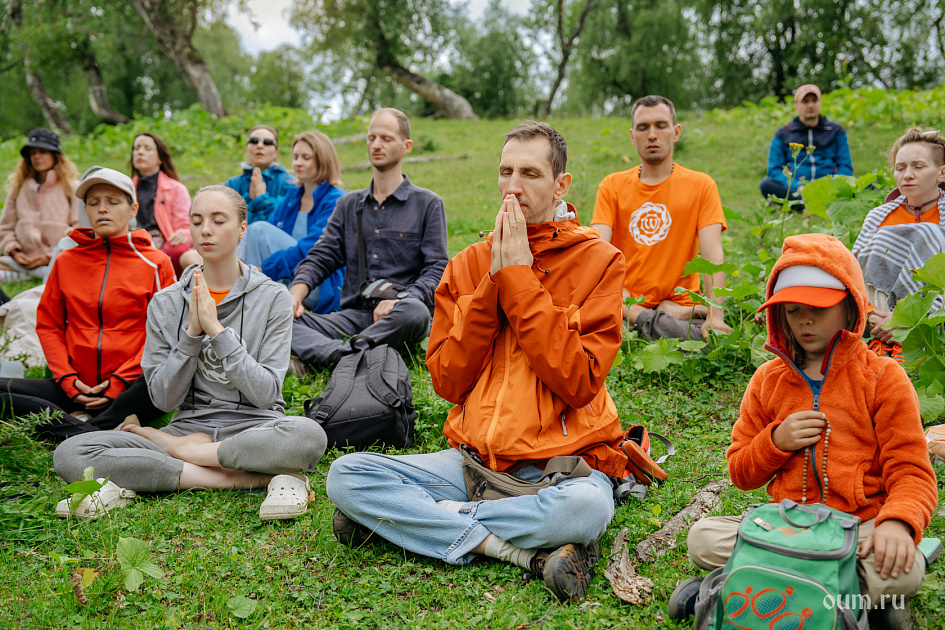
point(526, 328)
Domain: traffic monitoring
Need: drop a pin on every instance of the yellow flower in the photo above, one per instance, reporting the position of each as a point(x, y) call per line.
point(810, 149)
point(795, 148)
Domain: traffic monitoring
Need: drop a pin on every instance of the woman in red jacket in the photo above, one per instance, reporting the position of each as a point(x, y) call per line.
point(91, 319)
point(163, 202)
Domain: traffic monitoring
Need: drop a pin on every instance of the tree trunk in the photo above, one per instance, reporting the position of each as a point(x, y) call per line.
point(448, 102)
point(34, 80)
point(566, 46)
point(51, 112)
point(177, 43)
point(98, 94)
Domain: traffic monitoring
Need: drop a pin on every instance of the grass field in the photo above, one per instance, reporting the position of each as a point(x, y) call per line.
point(216, 555)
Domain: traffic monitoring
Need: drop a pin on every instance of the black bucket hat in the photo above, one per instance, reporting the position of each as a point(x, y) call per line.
point(41, 139)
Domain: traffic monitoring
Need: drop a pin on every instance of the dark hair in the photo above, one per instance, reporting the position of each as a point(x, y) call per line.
point(794, 349)
point(239, 204)
point(167, 164)
point(403, 123)
point(559, 148)
point(653, 101)
point(274, 133)
point(933, 138)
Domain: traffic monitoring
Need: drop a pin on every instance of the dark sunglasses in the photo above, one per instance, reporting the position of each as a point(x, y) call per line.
point(266, 141)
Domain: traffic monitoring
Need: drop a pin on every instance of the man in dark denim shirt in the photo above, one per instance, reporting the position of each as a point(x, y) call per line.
point(404, 229)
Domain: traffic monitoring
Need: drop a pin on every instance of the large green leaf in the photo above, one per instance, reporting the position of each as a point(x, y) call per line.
point(659, 355)
point(134, 557)
point(933, 272)
point(911, 310)
point(241, 606)
point(701, 265)
point(931, 407)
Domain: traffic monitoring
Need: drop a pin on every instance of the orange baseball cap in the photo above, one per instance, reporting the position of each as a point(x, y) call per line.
point(804, 90)
point(806, 284)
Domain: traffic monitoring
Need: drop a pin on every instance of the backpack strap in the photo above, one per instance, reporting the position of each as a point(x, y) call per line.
point(708, 598)
point(670, 448)
point(340, 385)
point(377, 384)
point(571, 466)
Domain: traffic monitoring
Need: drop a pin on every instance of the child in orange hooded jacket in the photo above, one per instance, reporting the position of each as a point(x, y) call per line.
point(827, 421)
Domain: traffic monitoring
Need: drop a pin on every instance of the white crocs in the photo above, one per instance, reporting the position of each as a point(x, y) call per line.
point(109, 497)
point(287, 498)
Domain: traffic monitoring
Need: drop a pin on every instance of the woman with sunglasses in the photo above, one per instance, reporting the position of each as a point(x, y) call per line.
point(264, 182)
point(276, 246)
point(163, 202)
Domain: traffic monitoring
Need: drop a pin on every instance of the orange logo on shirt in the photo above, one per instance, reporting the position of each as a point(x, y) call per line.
point(650, 223)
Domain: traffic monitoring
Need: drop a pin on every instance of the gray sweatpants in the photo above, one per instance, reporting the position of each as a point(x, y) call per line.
point(286, 445)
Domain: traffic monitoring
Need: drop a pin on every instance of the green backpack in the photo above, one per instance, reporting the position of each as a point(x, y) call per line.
point(793, 567)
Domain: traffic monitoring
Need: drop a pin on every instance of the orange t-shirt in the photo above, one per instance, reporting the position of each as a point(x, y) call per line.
point(218, 295)
point(904, 216)
point(657, 228)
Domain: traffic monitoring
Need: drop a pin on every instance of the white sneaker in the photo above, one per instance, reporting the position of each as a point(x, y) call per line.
point(287, 498)
point(109, 497)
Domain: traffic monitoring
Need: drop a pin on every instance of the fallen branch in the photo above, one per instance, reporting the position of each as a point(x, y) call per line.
point(628, 585)
point(664, 539)
point(363, 166)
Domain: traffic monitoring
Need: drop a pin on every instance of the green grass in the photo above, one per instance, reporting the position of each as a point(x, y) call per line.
point(212, 546)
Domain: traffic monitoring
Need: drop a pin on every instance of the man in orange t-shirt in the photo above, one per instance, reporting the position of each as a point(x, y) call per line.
point(661, 215)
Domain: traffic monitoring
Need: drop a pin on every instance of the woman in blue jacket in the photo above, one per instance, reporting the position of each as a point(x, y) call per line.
point(276, 246)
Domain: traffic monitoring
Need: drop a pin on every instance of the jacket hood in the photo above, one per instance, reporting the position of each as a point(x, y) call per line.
point(543, 237)
point(85, 236)
point(251, 279)
point(827, 253)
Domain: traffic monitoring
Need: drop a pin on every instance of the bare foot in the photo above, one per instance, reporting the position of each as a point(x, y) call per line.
point(175, 446)
point(130, 421)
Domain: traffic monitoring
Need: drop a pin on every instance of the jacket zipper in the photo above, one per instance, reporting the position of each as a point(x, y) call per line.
point(498, 401)
point(813, 162)
point(101, 316)
point(816, 406)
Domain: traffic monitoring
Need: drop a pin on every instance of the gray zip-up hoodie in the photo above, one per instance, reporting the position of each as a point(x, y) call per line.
point(234, 377)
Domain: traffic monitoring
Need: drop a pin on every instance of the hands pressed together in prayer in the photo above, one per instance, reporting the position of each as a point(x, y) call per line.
point(257, 185)
point(510, 238)
point(203, 310)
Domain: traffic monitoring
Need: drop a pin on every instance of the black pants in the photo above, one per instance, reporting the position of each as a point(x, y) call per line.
point(22, 396)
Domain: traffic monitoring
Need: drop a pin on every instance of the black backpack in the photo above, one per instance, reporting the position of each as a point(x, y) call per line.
point(368, 400)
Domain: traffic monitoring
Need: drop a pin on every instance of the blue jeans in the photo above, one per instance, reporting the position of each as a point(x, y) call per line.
point(395, 496)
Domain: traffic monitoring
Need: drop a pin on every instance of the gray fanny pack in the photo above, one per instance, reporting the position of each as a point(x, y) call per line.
point(484, 484)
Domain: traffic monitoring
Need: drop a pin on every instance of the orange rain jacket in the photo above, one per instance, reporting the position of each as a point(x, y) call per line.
point(877, 458)
point(92, 316)
point(523, 353)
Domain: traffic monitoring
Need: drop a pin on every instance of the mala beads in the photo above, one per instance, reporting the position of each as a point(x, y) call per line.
point(823, 494)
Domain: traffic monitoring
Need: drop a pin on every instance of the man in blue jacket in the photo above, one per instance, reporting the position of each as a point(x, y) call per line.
point(831, 154)
point(264, 182)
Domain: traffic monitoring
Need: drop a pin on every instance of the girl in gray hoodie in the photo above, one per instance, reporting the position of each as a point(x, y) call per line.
point(217, 350)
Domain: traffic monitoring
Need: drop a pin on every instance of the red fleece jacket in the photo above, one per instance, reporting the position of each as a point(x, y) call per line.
point(877, 459)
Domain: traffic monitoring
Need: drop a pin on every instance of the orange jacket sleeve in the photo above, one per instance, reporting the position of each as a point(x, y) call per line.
point(461, 340)
point(911, 492)
point(753, 459)
point(572, 362)
point(51, 329)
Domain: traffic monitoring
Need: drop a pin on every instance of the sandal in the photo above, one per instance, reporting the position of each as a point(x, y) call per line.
point(287, 498)
point(107, 498)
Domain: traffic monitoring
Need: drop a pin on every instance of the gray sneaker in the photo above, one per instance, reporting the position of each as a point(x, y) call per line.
point(349, 532)
point(568, 569)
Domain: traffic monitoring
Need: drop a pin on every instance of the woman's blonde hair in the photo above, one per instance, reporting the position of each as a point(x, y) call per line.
point(63, 167)
point(326, 159)
point(934, 138)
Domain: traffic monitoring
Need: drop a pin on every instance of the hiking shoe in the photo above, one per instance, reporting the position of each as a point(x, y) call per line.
point(349, 532)
point(109, 497)
point(682, 603)
point(892, 618)
point(567, 570)
point(287, 497)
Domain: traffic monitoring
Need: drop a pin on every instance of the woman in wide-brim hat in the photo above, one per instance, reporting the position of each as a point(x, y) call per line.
point(40, 206)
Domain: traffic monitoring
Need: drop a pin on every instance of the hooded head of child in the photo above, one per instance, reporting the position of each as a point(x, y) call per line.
point(809, 304)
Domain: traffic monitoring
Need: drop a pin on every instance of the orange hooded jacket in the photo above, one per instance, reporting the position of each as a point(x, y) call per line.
point(92, 316)
point(877, 459)
point(524, 353)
